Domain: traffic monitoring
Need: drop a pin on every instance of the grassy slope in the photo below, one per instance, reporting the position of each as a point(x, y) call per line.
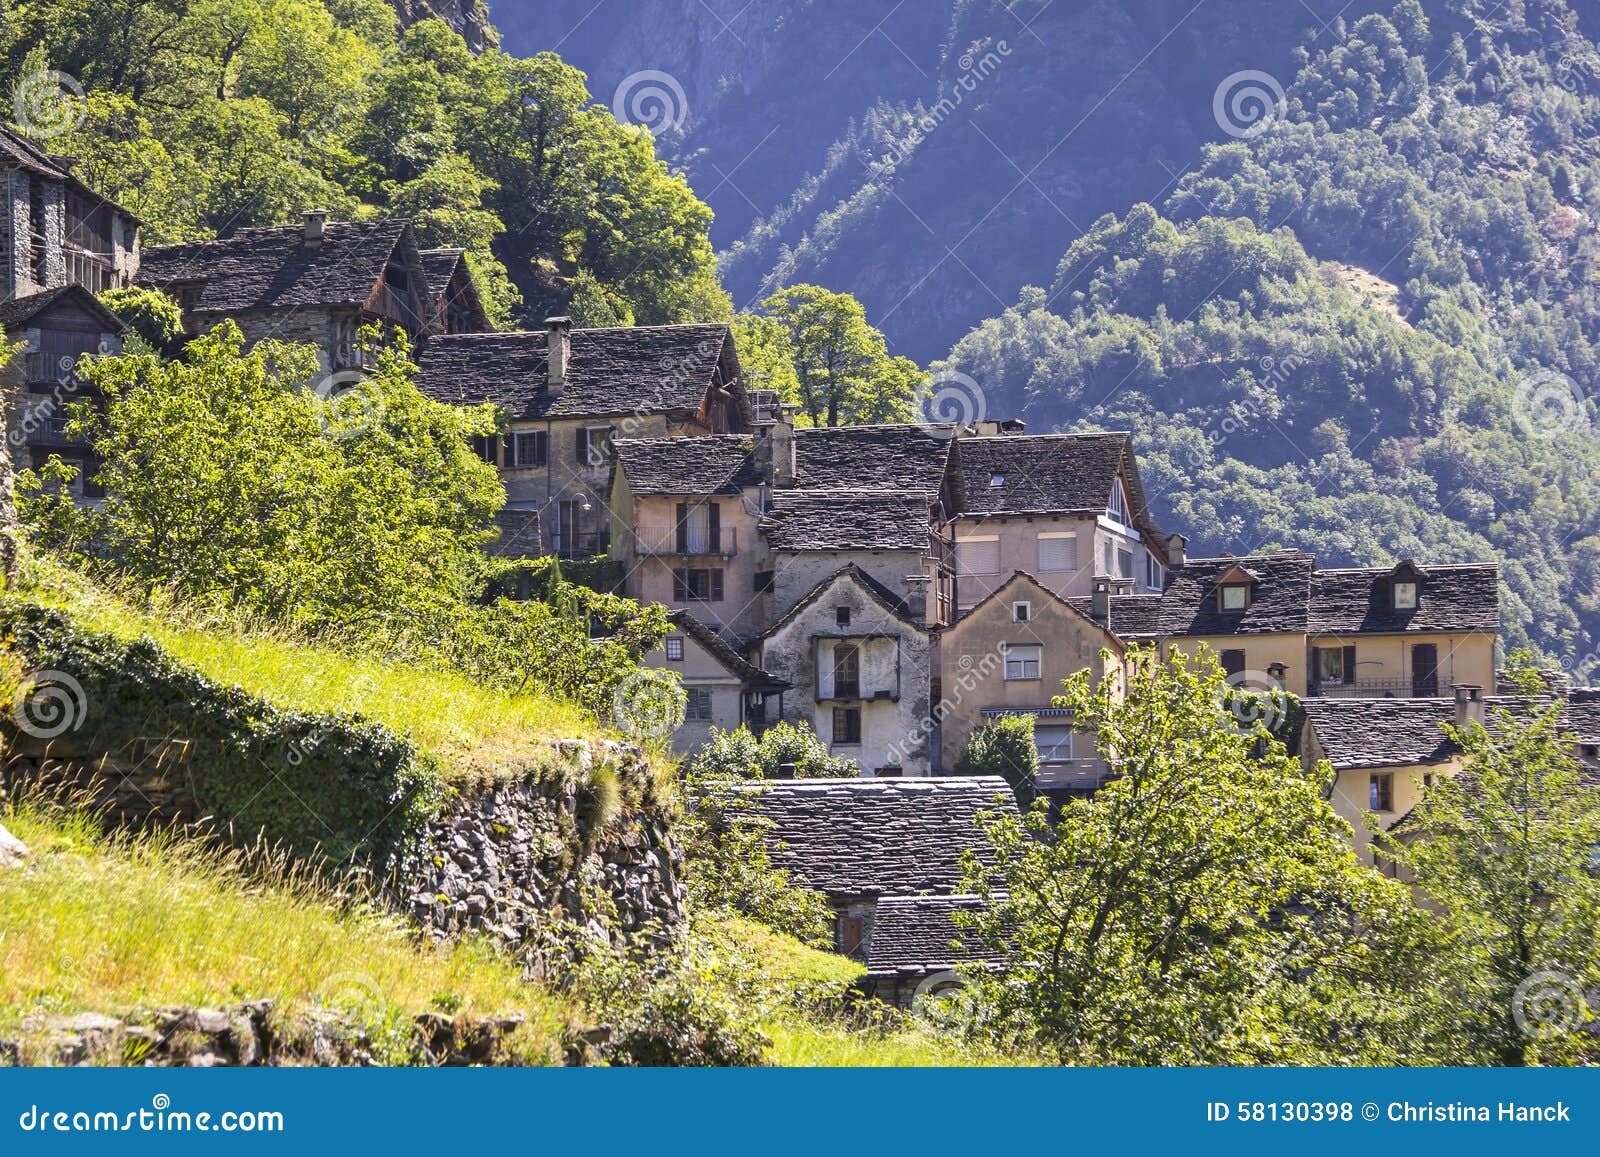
point(110, 925)
point(470, 728)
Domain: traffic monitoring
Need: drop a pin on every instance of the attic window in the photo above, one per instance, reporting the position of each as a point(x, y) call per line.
point(1233, 596)
point(1021, 612)
point(997, 480)
point(841, 616)
point(674, 648)
point(1405, 595)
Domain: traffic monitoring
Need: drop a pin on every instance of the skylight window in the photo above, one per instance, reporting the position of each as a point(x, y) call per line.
point(997, 480)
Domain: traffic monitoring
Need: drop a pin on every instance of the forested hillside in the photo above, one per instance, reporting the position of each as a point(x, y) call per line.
point(204, 116)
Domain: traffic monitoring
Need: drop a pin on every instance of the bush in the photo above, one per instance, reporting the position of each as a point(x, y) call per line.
point(681, 1022)
point(739, 754)
point(1004, 748)
point(151, 314)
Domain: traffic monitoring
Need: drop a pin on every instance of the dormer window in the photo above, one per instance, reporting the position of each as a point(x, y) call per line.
point(997, 480)
point(1233, 596)
point(1405, 596)
point(1405, 584)
point(1118, 507)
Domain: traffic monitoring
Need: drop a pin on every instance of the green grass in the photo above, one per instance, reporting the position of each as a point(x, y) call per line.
point(114, 924)
point(471, 729)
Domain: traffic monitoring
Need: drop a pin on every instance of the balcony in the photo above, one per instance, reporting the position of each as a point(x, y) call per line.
point(581, 544)
point(686, 540)
point(1406, 688)
point(1075, 775)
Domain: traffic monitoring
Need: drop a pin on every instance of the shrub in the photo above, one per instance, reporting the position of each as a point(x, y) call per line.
point(151, 314)
point(739, 754)
point(1004, 748)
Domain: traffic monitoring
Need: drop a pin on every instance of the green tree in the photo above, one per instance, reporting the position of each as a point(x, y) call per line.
point(1204, 907)
point(229, 480)
point(843, 373)
point(1504, 855)
point(1004, 747)
point(151, 314)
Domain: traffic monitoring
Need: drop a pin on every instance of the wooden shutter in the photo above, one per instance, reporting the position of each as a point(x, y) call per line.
point(680, 585)
point(581, 445)
point(1314, 678)
point(1349, 666)
point(713, 526)
point(715, 585)
point(683, 528)
point(1233, 661)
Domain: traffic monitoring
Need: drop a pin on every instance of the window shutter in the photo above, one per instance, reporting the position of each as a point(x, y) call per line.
point(1058, 554)
point(581, 445)
point(1315, 677)
point(1349, 666)
point(977, 557)
point(1233, 662)
point(683, 528)
point(680, 586)
point(713, 526)
point(716, 586)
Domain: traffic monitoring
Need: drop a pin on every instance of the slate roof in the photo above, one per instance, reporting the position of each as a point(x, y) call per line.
point(1133, 617)
point(713, 464)
point(885, 598)
point(891, 457)
point(915, 934)
point(847, 520)
point(17, 149)
point(21, 310)
point(1362, 733)
point(1035, 588)
point(273, 268)
point(1582, 716)
point(1451, 598)
point(1278, 600)
point(883, 837)
point(439, 266)
point(735, 663)
point(657, 369)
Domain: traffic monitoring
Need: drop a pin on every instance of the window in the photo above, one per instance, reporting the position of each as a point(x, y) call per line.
point(1232, 661)
point(487, 449)
point(1053, 741)
point(978, 555)
point(849, 935)
point(1155, 575)
point(1125, 564)
point(762, 583)
point(1427, 780)
point(1233, 597)
point(846, 671)
point(1405, 596)
point(1380, 792)
point(697, 584)
point(697, 704)
point(526, 449)
point(593, 445)
point(1020, 612)
point(1119, 503)
point(1022, 660)
point(846, 725)
point(1330, 665)
point(841, 616)
point(997, 480)
point(674, 648)
point(1058, 552)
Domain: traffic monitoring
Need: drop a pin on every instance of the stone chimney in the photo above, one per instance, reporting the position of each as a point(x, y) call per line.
point(1100, 601)
point(917, 595)
point(316, 222)
point(784, 771)
point(1469, 705)
point(1177, 551)
point(775, 447)
point(559, 342)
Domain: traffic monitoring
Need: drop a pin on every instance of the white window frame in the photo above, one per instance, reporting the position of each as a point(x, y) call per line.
point(1117, 508)
point(674, 643)
point(1027, 665)
point(1026, 611)
point(1227, 589)
point(1056, 536)
point(1410, 604)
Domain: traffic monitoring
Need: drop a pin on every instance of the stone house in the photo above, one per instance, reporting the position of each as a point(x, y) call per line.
point(565, 395)
point(57, 231)
point(1008, 656)
point(722, 689)
point(1064, 508)
point(877, 849)
point(319, 282)
point(859, 663)
point(56, 328)
point(457, 306)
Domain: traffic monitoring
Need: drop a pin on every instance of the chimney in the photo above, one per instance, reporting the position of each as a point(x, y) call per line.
point(777, 451)
point(784, 771)
point(559, 343)
point(1177, 551)
point(1100, 602)
point(316, 221)
point(917, 595)
point(1469, 705)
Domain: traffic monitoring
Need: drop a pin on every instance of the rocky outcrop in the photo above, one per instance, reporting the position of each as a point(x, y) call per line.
point(468, 17)
point(12, 850)
point(249, 1034)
